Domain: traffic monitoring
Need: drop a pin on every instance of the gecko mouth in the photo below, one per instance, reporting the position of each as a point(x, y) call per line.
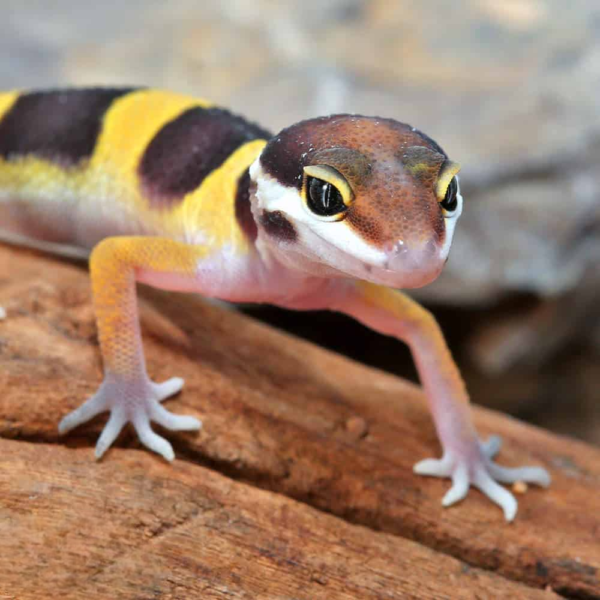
point(399, 269)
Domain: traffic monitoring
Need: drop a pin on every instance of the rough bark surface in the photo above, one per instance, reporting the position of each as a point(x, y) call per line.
point(299, 485)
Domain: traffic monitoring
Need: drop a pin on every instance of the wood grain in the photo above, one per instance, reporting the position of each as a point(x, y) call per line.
point(135, 527)
point(293, 435)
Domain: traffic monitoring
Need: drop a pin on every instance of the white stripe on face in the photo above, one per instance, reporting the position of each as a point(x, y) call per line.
point(273, 196)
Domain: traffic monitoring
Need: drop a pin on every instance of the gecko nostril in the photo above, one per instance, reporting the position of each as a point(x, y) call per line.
point(399, 256)
point(398, 247)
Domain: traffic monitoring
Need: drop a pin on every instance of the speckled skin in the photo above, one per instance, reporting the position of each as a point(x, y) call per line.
point(392, 178)
point(167, 190)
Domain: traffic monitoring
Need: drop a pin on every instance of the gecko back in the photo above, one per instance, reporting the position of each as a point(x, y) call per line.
point(78, 165)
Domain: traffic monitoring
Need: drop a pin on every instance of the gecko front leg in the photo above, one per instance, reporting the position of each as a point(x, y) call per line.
point(127, 391)
point(465, 459)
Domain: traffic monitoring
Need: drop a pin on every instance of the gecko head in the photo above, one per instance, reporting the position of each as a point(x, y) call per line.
point(357, 196)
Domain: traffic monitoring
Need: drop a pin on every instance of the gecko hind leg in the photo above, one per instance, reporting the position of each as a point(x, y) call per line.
point(135, 402)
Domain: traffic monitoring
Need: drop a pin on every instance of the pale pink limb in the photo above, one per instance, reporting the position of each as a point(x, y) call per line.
point(466, 460)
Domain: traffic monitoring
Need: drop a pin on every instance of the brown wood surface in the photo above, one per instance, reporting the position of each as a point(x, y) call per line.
point(299, 485)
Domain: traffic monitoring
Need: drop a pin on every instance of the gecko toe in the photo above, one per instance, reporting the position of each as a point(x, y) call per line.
point(535, 475)
point(168, 388)
point(174, 422)
point(152, 440)
point(88, 410)
point(111, 430)
point(460, 486)
point(496, 493)
point(434, 467)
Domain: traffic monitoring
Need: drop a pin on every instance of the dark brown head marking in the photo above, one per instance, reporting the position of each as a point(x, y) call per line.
point(61, 126)
point(353, 140)
point(277, 226)
point(243, 211)
point(187, 149)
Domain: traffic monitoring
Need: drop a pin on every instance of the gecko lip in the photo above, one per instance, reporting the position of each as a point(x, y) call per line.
point(394, 265)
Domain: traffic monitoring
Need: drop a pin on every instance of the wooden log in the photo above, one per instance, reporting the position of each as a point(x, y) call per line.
point(134, 527)
point(282, 415)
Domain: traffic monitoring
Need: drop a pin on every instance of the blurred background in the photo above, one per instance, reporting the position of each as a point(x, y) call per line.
point(509, 88)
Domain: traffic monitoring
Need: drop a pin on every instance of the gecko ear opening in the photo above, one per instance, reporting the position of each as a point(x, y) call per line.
point(447, 172)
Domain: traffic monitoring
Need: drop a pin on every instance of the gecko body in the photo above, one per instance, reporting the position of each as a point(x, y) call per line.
point(333, 213)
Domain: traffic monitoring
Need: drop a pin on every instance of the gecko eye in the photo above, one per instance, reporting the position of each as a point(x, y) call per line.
point(323, 198)
point(326, 192)
point(450, 201)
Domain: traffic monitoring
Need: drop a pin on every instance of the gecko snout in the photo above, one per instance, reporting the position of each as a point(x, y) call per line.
point(405, 256)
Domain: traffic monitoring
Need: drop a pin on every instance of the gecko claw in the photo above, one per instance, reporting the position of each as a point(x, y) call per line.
point(479, 470)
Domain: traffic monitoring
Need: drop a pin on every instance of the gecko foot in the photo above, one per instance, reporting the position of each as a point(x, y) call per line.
point(478, 469)
point(135, 402)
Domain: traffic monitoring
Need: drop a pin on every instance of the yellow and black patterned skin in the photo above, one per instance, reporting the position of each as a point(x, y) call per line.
point(161, 162)
point(168, 190)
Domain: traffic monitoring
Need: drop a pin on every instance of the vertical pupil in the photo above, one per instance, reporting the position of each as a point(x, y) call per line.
point(324, 198)
point(326, 195)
